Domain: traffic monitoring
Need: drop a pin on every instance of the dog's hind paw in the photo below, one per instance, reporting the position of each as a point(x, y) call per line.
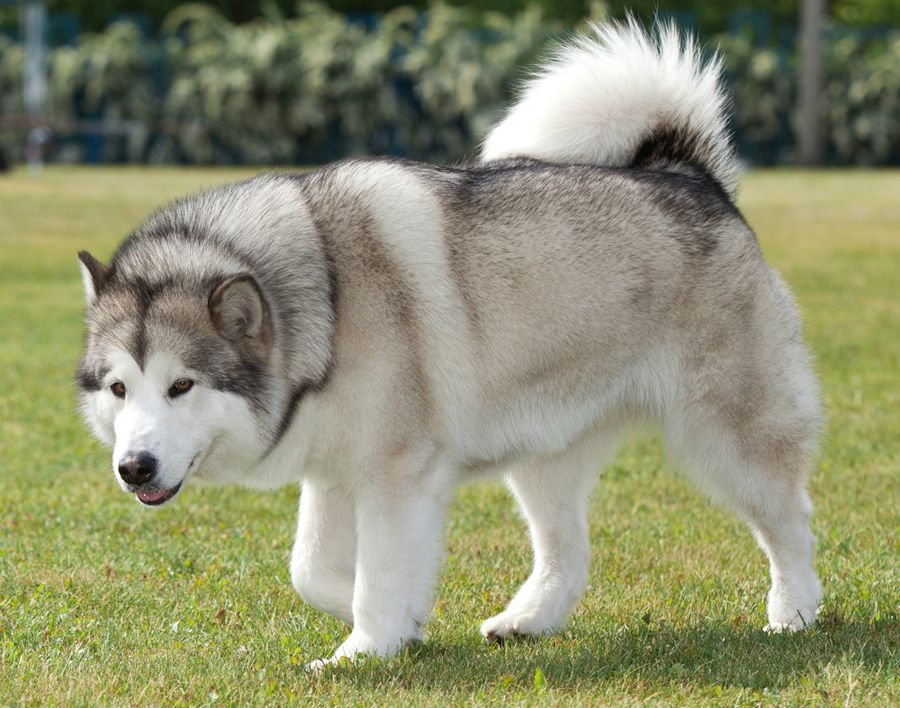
point(797, 624)
point(794, 612)
point(791, 621)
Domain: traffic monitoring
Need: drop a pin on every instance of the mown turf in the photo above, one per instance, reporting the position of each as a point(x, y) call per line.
point(103, 601)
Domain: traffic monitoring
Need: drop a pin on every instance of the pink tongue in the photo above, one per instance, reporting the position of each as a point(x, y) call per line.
point(152, 495)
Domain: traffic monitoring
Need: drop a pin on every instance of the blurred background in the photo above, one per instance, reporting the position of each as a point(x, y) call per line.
point(280, 82)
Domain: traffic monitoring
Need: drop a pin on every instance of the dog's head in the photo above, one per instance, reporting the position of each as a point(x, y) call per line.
point(203, 334)
point(173, 370)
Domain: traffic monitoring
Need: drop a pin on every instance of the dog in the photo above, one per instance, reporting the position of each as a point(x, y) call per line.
point(383, 330)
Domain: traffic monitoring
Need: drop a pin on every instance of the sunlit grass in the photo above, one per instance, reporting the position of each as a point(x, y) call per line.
point(101, 600)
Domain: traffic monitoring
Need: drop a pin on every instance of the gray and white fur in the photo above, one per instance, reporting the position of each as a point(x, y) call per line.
point(383, 330)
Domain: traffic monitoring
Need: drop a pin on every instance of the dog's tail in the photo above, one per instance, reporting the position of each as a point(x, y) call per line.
point(624, 98)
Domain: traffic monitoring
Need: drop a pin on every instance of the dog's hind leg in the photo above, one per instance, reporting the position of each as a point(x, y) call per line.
point(757, 467)
point(324, 555)
point(783, 531)
point(553, 493)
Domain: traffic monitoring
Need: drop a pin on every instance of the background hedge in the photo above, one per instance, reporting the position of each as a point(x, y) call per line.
point(320, 84)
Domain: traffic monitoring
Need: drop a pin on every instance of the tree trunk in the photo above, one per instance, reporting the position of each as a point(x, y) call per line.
point(810, 134)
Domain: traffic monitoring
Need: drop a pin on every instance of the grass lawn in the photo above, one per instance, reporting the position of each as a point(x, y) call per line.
point(104, 601)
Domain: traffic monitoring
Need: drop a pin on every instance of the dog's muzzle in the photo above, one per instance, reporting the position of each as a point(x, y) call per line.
point(138, 470)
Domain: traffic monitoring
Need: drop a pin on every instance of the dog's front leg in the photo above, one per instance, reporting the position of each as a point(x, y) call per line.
point(324, 557)
point(399, 521)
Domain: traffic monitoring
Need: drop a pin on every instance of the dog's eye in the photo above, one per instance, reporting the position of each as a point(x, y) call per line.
point(118, 389)
point(180, 386)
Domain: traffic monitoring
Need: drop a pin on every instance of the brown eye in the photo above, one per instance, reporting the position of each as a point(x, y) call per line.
point(118, 389)
point(180, 386)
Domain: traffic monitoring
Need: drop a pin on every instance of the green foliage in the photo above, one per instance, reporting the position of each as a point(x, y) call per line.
point(763, 93)
point(106, 79)
point(461, 78)
point(711, 17)
point(12, 57)
point(320, 84)
point(862, 100)
point(866, 12)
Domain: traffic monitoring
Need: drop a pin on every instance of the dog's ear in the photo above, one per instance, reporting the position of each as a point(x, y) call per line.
point(239, 312)
point(93, 275)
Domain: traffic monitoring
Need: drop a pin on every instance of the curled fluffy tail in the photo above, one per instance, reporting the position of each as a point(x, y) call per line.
point(623, 98)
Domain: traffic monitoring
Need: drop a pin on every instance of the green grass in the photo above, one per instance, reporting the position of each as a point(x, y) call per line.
point(103, 601)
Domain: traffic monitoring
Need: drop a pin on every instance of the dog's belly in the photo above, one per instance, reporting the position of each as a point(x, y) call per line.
point(542, 415)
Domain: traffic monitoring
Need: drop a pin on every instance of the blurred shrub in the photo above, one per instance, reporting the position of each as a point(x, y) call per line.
point(862, 98)
point(320, 85)
point(105, 80)
point(763, 93)
point(12, 58)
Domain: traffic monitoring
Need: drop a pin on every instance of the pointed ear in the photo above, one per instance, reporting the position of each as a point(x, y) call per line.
point(94, 276)
point(239, 312)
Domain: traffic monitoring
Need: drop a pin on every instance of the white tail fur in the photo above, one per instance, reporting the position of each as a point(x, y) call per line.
point(624, 97)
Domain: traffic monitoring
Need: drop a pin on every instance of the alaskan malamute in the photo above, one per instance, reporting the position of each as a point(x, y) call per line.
point(383, 330)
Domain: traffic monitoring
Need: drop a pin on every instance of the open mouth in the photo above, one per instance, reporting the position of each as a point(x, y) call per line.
point(155, 497)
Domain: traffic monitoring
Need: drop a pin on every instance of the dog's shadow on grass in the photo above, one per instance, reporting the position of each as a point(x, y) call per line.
point(705, 654)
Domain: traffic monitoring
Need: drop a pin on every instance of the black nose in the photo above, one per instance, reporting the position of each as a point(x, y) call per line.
point(137, 468)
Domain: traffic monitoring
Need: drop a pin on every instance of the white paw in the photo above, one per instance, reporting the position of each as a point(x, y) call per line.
point(320, 665)
point(787, 615)
point(784, 622)
point(358, 645)
point(511, 623)
point(334, 661)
